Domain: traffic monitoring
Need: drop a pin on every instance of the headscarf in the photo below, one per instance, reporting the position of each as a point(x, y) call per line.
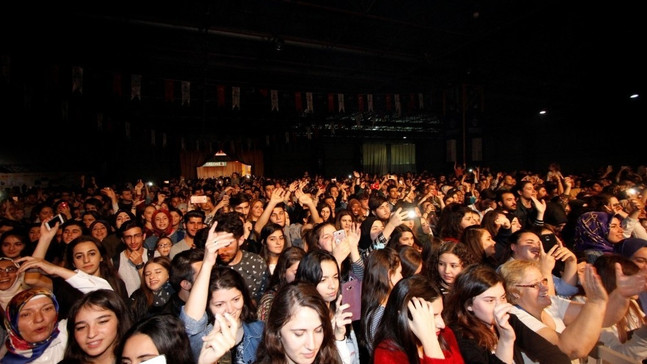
point(169, 229)
point(365, 240)
point(591, 231)
point(19, 350)
point(630, 246)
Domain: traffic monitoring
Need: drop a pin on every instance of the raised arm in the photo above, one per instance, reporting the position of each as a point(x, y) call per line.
point(196, 304)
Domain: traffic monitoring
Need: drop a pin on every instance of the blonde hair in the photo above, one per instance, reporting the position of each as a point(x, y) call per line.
point(513, 271)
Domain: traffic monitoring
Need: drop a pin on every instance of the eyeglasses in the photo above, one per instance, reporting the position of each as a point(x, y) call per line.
point(130, 237)
point(164, 246)
point(543, 282)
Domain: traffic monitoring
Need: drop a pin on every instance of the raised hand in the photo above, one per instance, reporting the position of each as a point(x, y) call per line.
point(220, 340)
point(629, 286)
point(341, 319)
point(593, 288)
point(216, 241)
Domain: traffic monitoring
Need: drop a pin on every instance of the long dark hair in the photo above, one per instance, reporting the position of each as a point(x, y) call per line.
point(397, 336)
point(166, 264)
point(288, 299)
point(266, 231)
point(376, 286)
point(99, 299)
point(310, 271)
point(447, 247)
point(227, 278)
point(471, 282)
point(167, 333)
point(107, 270)
point(289, 256)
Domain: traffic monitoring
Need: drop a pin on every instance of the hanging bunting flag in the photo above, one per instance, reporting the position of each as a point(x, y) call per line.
point(331, 103)
point(235, 98)
point(169, 90)
point(274, 95)
point(220, 91)
point(398, 108)
point(360, 102)
point(136, 87)
point(421, 101)
point(340, 101)
point(186, 93)
point(77, 79)
point(298, 103)
point(369, 100)
point(117, 88)
point(309, 107)
point(387, 99)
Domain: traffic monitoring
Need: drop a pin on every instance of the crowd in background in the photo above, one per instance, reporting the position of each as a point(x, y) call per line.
point(473, 266)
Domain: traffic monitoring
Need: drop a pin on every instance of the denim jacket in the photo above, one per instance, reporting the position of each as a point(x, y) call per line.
point(253, 334)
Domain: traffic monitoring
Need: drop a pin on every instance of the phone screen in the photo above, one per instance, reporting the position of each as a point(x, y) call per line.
point(51, 223)
point(339, 235)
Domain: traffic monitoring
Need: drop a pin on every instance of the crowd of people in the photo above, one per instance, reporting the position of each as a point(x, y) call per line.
point(469, 267)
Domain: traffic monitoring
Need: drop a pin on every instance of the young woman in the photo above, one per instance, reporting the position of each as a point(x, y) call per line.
point(273, 242)
point(445, 263)
point(161, 222)
point(319, 267)
point(479, 243)
point(155, 290)
point(98, 321)
point(87, 254)
point(159, 335)
point(298, 329)
point(416, 332)
point(14, 245)
point(105, 233)
point(410, 259)
point(217, 291)
point(383, 271)
point(478, 313)
point(284, 273)
point(344, 221)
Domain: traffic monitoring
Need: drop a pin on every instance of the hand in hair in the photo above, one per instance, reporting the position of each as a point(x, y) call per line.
point(220, 340)
point(215, 241)
point(423, 325)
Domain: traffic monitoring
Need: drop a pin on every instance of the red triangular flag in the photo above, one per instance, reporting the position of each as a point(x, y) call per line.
point(360, 102)
point(298, 102)
point(169, 91)
point(221, 95)
point(331, 103)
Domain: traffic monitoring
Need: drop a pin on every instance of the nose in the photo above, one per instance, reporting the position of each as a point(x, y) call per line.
point(440, 323)
point(92, 331)
point(38, 316)
point(310, 341)
point(86, 258)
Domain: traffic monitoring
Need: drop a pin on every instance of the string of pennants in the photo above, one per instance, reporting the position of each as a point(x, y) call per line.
point(232, 97)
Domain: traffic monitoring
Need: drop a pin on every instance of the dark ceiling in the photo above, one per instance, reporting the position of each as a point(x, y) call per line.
point(580, 60)
point(525, 53)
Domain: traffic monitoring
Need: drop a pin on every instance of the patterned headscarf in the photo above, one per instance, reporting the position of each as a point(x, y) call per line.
point(20, 350)
point(591, 231)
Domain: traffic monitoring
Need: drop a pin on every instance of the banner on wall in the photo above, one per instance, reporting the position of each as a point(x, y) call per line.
point(136, 87)
point(186, 93)
point(77, 79)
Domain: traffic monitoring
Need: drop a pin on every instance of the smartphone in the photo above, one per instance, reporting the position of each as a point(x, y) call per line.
point(51, 223)
point(198, 199)
point(338, 236)
point(548, 241)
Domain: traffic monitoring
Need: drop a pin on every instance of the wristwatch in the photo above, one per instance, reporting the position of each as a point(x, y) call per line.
point(139, 266)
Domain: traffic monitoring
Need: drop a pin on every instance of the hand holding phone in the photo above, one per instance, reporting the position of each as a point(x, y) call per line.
point(338, 236)
point(198, 199)
point(52, 222)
